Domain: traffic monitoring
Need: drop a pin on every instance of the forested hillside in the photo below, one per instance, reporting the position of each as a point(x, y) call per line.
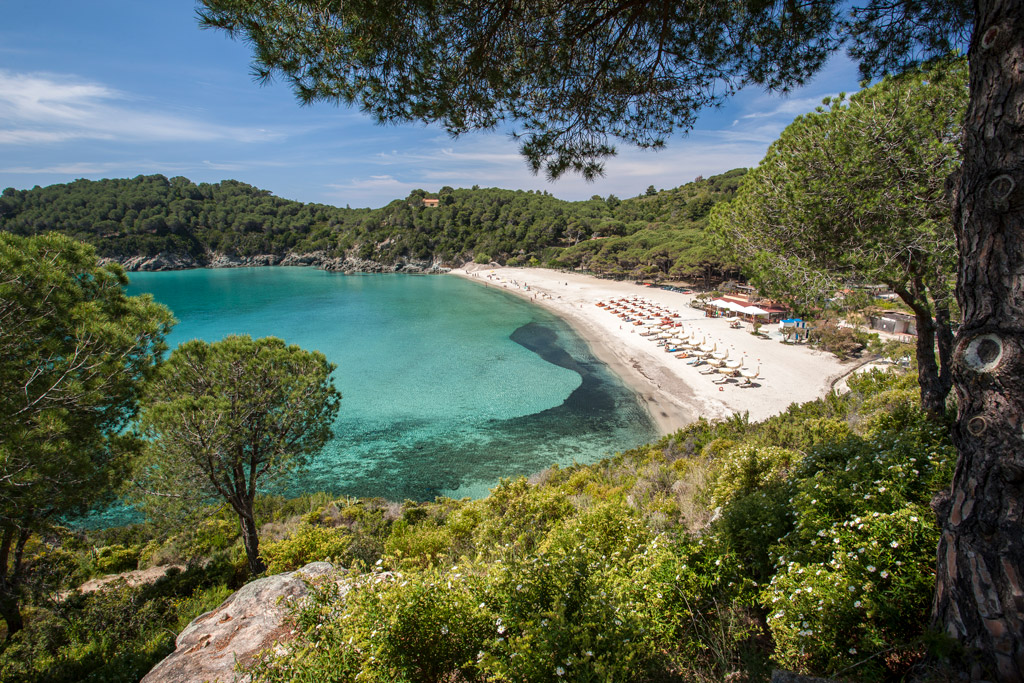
point(659, 234)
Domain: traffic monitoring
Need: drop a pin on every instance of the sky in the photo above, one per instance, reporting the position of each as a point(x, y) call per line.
point(118, 88)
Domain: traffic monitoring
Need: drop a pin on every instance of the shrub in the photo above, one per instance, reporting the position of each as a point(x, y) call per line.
point(417, 545)
point(579, 609)
point(519, 515)
point(861, 610)
point(427, 628)
point(308, 544)
point(746, 469)
point(116, 558)
point(842, 341)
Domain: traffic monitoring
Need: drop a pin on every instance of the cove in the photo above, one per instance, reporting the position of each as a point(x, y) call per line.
point(447, 386)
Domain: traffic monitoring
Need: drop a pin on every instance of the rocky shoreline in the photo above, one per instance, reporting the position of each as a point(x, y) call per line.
point(336, 264)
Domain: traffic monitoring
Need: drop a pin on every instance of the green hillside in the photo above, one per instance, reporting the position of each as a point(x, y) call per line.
point(659, 234)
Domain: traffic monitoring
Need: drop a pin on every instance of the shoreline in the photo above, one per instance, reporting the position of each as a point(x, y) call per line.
point(674, 393)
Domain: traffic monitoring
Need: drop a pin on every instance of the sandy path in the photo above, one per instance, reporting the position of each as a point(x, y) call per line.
point(675, 393)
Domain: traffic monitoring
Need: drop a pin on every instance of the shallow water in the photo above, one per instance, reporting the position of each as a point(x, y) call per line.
point(447, 386)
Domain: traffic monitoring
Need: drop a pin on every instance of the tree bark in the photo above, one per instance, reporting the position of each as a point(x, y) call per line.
point(944, 342)
point(934, 389)
point(10, 610)
point(250, 538)
point(979, 597)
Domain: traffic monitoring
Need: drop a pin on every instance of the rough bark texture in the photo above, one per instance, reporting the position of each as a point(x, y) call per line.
point(251, 541)
point(932, 373)
point(10, 570)
point(980, 584)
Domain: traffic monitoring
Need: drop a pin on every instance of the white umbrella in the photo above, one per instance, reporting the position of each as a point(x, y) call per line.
point(753, 310)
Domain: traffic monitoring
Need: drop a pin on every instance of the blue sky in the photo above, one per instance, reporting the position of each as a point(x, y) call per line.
point(117, 88)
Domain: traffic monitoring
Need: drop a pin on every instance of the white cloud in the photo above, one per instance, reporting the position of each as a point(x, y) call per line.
point(51, 108)
point(789, 107)
point(493, 160)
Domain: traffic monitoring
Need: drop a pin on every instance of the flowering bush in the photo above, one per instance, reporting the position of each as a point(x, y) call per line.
point(855, 573)
point(862, 608)
point(577, 609)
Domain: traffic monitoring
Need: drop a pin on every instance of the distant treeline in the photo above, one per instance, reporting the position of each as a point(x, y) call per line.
point(658, 234)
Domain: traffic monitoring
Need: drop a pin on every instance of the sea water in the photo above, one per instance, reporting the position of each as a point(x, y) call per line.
point(447, 386)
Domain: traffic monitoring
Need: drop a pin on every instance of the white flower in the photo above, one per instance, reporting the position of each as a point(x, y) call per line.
point(894, 544)
point(857, 604)
point(559, 671)
point(853, 650)
point(871, 568)
point(885, 574)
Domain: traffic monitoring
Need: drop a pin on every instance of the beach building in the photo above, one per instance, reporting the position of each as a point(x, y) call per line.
point(428, 202)
point(751, 308)
point(794, 328)
point(895, 323)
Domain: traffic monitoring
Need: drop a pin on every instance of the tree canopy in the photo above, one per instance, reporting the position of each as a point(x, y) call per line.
point(855, 193)
point(74, 353)
point(226, 418)
point(570, 76)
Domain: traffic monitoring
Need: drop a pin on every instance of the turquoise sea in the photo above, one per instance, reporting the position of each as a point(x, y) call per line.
point(447, 385)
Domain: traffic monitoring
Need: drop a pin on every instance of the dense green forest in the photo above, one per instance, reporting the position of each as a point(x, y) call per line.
point(659, 234)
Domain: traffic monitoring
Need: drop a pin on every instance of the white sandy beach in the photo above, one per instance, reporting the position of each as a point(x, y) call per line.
point(676, 393)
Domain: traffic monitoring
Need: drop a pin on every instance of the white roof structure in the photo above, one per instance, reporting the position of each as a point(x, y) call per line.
point(753, 310)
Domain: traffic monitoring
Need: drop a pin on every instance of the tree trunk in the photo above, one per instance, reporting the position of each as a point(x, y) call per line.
point(10, 610)
point(979, 597)
point(944, 342)
point(933, 390)
point(247, 523)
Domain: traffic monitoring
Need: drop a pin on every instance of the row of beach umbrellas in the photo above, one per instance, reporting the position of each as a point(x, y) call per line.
point(662, 326)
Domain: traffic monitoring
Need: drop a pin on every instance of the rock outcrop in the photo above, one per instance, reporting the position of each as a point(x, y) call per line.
point(338, 264)
point(162, 261)
point(253, 619)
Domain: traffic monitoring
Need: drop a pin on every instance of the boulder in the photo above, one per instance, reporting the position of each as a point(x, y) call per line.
point(253, 619)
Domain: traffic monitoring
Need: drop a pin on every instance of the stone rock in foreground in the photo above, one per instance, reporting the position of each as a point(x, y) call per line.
point(253, 619)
